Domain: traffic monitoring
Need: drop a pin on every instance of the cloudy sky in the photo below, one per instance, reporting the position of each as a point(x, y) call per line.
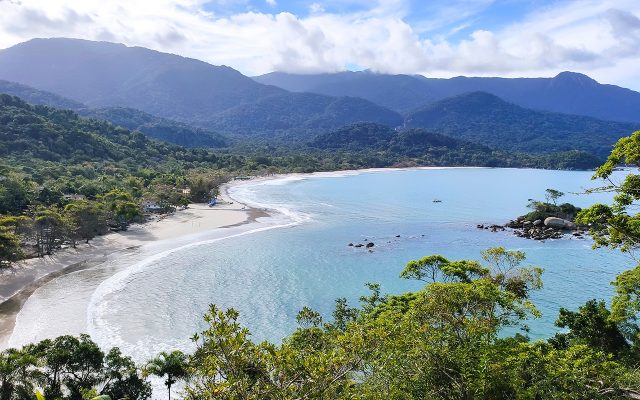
point(436, 38)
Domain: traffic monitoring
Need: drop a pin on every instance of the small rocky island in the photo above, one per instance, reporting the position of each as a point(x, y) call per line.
point(547, 220)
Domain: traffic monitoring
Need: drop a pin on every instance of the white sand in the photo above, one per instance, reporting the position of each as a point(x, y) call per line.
point(197, 218)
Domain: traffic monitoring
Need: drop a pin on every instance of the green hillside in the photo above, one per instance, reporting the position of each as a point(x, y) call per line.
point(382, 146)
point(295, 113)
point(484, 118)
point(158, 128)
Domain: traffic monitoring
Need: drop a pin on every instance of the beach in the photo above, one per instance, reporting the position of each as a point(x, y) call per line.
point(205, 256)
point(25, 277)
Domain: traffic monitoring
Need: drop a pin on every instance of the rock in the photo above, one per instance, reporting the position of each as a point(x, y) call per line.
point(359, 245)
point(527, 223)
point(559, 223)
point(370, 244)
point(480, 226)
point(538, 222)
point(397, 235)
point(350, 245)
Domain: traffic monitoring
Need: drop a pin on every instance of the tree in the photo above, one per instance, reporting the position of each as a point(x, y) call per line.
point(48, 196)
point(70, 368)
point(10, 250)
point(15, 194)
point(617, 225)
point(18, 374)
point(552, 195)
point(121, 378)
point(173, 365)
point(69, 362)
point(592, 325)
point(312, 363)
point(50, 230)
point(122, 208)
point(85, 219)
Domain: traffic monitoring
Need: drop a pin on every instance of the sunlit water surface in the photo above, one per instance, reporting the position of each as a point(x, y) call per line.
point(153, 298)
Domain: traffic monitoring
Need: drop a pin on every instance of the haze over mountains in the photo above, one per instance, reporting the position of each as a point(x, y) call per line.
point(102, 74)
point(568, 92)
point(191, 103)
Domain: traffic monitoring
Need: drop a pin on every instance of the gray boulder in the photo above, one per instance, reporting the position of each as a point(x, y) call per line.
point(537, 222)
point(559, 223)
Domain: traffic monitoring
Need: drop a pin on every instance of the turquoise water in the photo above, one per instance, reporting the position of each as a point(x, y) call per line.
point(268, 276)
point(301, 258)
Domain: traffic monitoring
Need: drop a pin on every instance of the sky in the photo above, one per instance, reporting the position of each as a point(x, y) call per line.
point(435, 38)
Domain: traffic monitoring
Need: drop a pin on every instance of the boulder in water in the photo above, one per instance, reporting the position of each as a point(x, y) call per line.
point(559, 223)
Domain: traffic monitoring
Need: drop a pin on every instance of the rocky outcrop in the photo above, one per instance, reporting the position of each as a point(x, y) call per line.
point(559, 223)
point(550, 228)
point(492, 228)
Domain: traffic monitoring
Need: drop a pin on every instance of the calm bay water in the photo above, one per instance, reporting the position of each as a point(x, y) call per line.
point(270, 274)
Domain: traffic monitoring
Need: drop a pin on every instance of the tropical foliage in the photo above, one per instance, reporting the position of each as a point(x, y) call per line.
point(72, 368)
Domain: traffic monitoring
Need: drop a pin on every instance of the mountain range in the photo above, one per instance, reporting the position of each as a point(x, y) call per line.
point(103, 74)
point(485, 118)
point(196, 104)
point(155, 127)
point(568, 92)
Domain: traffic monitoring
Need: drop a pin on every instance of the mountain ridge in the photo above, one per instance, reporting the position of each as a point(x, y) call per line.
point(104, 74)
point(567, 92)
point(485, 118)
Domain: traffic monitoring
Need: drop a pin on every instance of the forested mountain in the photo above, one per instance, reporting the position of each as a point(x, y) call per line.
point(301, 113)
point(158, 128)
point(397, 92)
point(38, 97)
point(384, 146)
point(102, 74)
point(43, 133)
point(120, 80)
point(484, 118)
point(568, 92)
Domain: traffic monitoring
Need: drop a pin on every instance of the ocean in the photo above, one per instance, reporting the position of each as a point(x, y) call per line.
point(152, 299)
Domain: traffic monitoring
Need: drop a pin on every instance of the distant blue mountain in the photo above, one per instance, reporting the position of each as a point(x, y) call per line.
point(107, 75)
point(301, 113)
point(38, 97)
point(103, 74)
point(568, 92)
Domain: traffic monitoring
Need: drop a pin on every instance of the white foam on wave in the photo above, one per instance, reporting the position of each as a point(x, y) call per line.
point(107, 335)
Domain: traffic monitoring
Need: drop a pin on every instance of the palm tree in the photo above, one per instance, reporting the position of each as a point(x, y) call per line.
point(173, 365)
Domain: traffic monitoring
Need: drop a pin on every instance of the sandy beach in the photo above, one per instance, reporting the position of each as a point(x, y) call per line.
point(18, 283)
point(21, 280)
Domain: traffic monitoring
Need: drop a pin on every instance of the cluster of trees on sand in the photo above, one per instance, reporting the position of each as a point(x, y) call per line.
point(35, 220)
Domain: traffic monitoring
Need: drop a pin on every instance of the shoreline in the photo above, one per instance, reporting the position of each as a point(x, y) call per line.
point(27, 276)
point(17, 289)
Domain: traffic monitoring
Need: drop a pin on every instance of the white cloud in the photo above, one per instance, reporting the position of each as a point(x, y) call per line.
point(316, 8)
point(597, 37)
point(272, 3)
